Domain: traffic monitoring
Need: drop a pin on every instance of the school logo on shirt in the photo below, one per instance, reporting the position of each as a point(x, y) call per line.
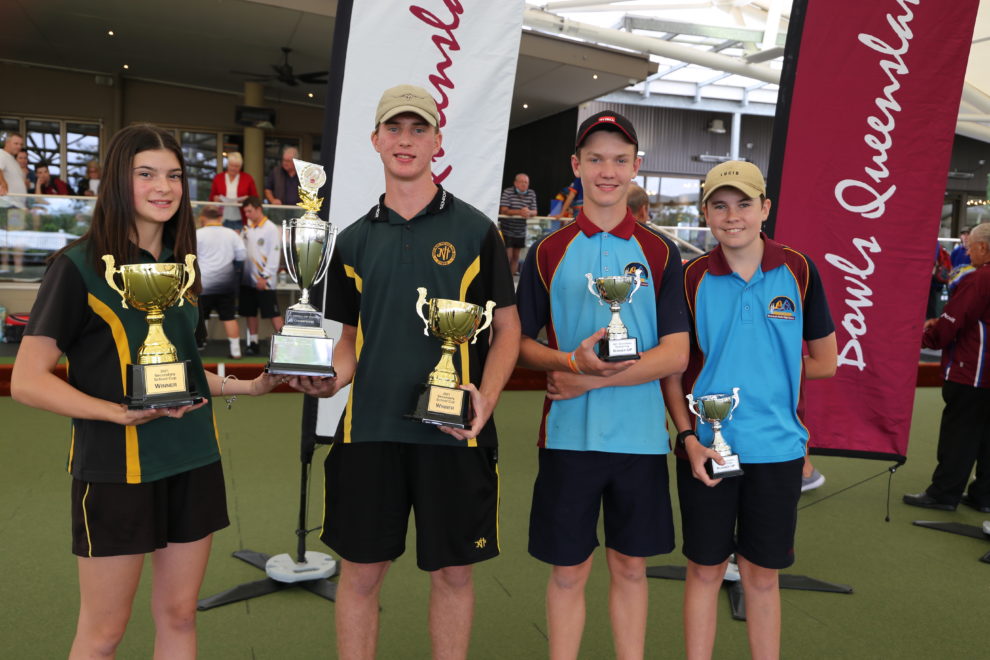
point(261, 242)
point(781, 307)
point(481, 543)
point(444, 253)
point(644, 274)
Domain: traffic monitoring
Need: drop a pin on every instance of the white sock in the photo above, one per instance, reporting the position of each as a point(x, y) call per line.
point(252, 339)
point(235, 347)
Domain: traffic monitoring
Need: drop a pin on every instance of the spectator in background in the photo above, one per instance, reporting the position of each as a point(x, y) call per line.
point(221, 254)
point(941, 270)
point(639, 204)
point(518, 202)
point(282, 184)
point(234, 185)
point(964, 433)
point(29, 176)
point(47, 183)
point(959, 256)
point(573, 201)
point(90, 184)
point(262, 239)
point(12, 209)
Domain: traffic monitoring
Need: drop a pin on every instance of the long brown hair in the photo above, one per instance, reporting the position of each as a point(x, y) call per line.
point(112, 230)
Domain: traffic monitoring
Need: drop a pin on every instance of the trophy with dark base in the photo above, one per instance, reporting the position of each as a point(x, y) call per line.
point(715, 409)
point(301, 347)
point(440, 401)
point(159, 379)
point(616, 345)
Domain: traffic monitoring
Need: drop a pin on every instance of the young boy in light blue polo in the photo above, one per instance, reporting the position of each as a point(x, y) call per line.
point(752, 303)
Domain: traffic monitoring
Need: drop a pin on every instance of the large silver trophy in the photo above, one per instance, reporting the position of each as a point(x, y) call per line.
point(715, 409)
point(616, 345)
point(302, 347)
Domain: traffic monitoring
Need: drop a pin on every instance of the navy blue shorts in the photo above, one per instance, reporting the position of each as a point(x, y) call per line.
point(753, 515)
point(573, 486)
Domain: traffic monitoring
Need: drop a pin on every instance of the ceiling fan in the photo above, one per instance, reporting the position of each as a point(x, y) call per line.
point(284, 74)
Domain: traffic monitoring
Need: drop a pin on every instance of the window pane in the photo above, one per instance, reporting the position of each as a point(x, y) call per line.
point(82, 145)
point(42, 143)
point(200, 153)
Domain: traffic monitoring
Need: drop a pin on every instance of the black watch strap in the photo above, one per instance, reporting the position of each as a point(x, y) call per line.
point(682, 436)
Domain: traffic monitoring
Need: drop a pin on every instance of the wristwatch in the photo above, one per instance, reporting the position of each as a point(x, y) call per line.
point(682, 436)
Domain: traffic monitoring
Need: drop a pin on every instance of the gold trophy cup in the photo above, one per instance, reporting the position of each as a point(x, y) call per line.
point(614, 290)
point(159, 379)
point(301, 347)
point(715, 409)
point(440, 401)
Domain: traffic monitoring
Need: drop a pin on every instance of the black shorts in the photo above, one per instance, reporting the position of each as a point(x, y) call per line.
point(572, 486)
point(222, 302)
point(754, 515)
point(110, 519)
point(253, 300)
point(514, 241)
point(371, 486)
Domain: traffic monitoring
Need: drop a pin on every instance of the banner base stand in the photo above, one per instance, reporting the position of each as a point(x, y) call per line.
point(972, 531)
point(310, 570)
point(733, 584)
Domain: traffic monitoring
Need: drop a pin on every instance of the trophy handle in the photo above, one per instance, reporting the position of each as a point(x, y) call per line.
point(419, 309)
point(693, 407)
point(639, 282)
point(488, 316)
point(109, 273)
point(289, 264)
point(735, 400)
point(190, 277)
point(332, 234)
point(591, 287)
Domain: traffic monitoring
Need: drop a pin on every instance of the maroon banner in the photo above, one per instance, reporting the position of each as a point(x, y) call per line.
point(869, 136)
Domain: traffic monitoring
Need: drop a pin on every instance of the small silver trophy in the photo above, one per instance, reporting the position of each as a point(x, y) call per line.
point(616, 345)
point(714, 409)
point(302, 347)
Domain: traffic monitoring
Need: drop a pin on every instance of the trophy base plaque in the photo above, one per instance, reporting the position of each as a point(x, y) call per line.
point(618, 350)
point(442, 406)
point(168, 385)
point(729, 469)
point(293, 355)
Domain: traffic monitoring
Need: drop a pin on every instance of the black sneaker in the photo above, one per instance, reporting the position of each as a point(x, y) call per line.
point(252, 348)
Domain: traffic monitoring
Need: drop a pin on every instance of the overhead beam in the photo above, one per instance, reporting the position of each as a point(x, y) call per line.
point(541, 20)
point(698, 30)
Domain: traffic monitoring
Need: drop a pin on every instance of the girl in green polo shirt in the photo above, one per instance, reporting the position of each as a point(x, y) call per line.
point(144, 481)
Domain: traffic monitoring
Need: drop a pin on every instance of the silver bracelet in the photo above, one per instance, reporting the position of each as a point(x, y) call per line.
point(230, 400)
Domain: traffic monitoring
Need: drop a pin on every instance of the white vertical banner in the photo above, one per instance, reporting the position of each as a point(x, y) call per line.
point(464, 53)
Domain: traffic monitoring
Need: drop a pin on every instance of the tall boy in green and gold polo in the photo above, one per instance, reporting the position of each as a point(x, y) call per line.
point(383, 464)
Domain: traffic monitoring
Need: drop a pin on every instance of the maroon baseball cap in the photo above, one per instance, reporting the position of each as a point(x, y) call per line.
point(607, 120)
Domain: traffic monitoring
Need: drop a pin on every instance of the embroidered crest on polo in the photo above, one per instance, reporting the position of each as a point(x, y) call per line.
point(444, 253)
point(781, 307)
point(644, 274)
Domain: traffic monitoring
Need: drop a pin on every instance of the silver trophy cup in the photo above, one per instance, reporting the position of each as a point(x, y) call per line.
point(715, 409)
point(615, 290)
point(302, 347)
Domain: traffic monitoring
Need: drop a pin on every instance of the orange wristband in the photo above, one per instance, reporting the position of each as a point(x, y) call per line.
point(572, 363)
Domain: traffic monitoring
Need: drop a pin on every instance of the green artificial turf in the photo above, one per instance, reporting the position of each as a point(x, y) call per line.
point(919, 593)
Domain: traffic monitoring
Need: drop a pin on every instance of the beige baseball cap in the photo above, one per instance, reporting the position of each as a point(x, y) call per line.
point(407, 98)
point(738, 174)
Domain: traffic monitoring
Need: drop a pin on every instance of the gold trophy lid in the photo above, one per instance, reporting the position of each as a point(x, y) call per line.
point(311, 179)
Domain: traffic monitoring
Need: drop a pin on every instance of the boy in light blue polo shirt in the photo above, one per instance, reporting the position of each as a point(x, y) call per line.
point(752, 302)
point(603, 441)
